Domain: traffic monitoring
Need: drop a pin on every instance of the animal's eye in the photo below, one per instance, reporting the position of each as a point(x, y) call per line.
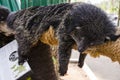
point(78, 27)
point(91, 44)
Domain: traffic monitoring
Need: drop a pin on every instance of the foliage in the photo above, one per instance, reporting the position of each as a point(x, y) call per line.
point(111, 6)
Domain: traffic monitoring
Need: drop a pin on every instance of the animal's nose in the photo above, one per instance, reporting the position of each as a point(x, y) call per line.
point(81, 49)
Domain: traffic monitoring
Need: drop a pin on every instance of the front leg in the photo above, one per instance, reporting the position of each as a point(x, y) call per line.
point(82, 57)
point(23, 50)
point(23, 47)
point(64, 51)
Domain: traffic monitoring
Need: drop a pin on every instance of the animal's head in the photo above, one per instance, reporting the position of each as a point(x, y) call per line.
point(4, 12)
point(85, 38)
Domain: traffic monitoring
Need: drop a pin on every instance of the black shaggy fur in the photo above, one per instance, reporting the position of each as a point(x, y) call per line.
point(77, 23)
point(41, 63)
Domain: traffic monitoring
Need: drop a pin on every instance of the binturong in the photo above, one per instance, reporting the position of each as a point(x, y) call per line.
point(80, 24)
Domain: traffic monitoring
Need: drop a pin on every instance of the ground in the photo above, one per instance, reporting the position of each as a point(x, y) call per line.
point(75, 73)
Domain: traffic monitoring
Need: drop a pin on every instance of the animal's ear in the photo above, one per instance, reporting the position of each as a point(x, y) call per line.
point(72, 29)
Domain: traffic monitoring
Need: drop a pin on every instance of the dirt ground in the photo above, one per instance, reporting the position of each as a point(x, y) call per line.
point(75, 73)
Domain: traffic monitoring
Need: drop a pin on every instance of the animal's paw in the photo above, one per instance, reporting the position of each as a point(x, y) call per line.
point(21, 60)
point(81, 64)
point(62, 70)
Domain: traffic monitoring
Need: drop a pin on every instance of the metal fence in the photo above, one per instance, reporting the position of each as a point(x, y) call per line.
point(15, 5)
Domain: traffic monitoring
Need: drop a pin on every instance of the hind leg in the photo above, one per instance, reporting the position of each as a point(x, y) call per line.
point(81, 59)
